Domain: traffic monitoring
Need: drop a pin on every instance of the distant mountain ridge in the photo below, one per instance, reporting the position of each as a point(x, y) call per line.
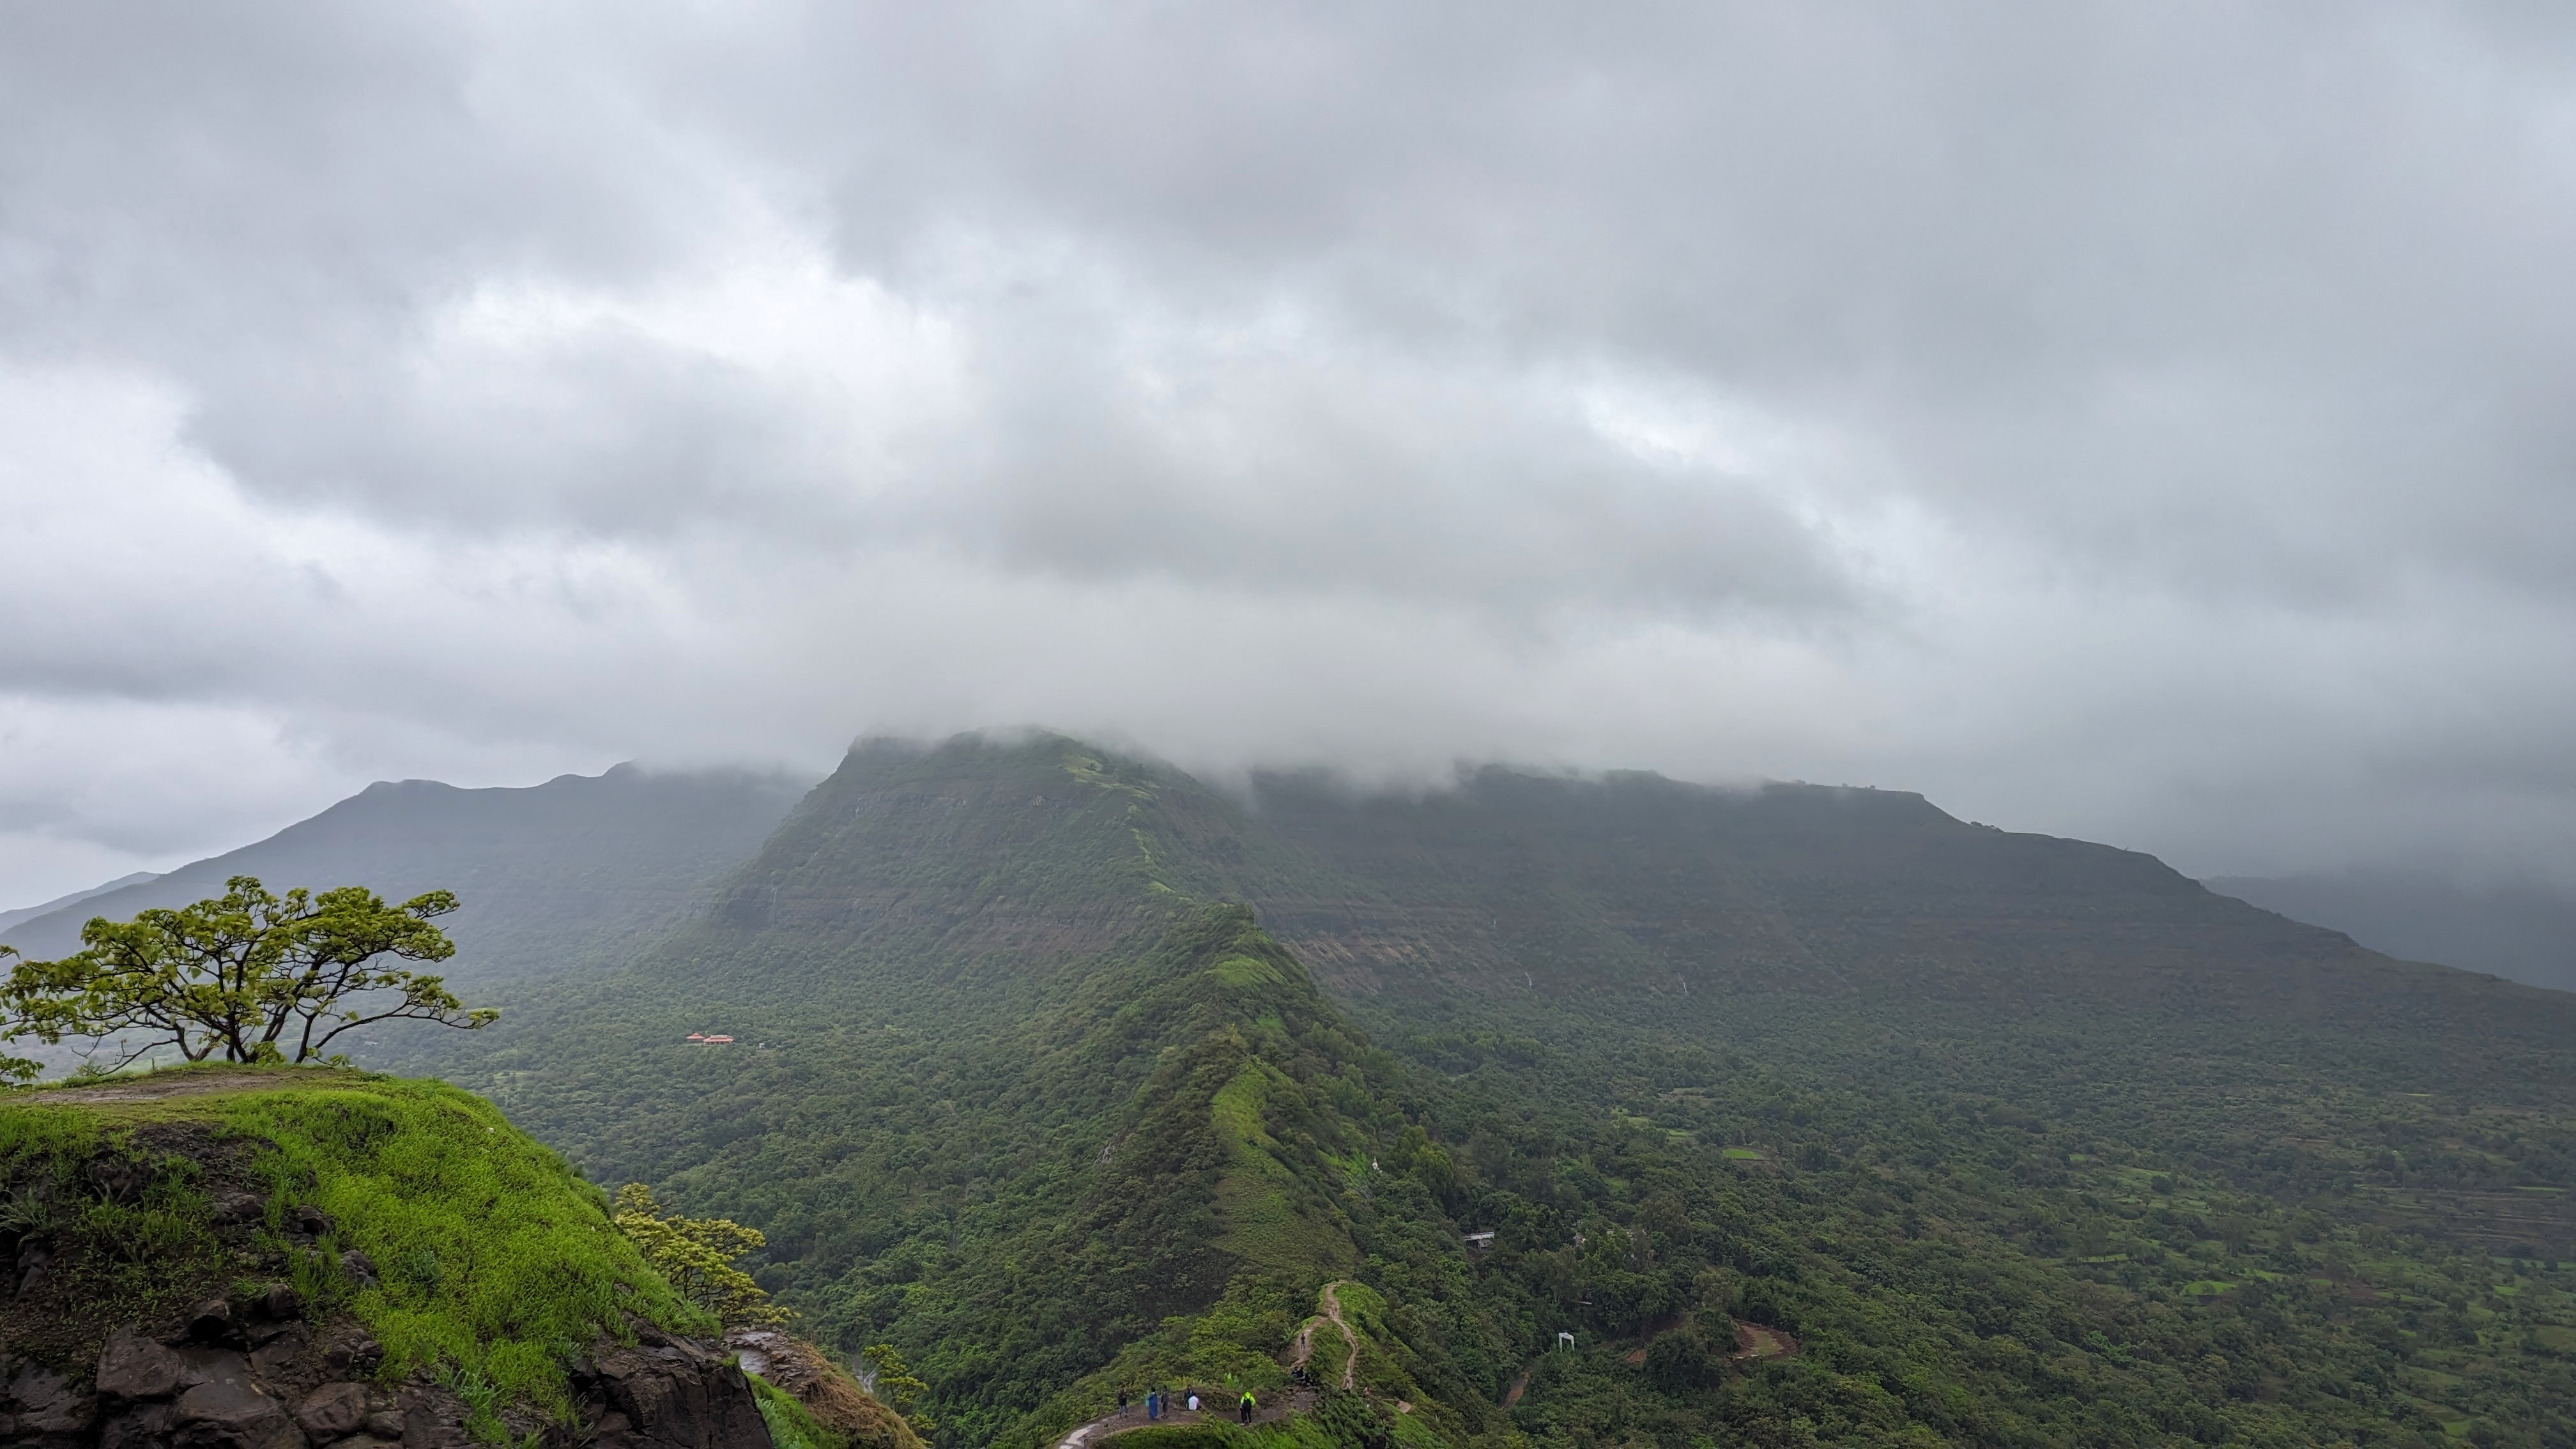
point(1065, 1073)
point(548, 874)
point(46, 908)
point(2521, 933)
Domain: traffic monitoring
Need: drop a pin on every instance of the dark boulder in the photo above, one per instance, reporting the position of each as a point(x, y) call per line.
point(433, 1418)
point(211, 1321)
point(333, 1411)
point(44, 1407)
point(228, 1411)
point(136, 1426)
point(135, 1367)
point(667, 1392)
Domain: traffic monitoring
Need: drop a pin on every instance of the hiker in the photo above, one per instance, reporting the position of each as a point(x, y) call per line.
point(1248, 1406)
point(1194, 1401)
point(1122, 1403)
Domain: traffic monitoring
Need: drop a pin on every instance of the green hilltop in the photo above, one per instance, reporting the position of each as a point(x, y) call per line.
point(394, 1252)
point(1811, 1114)
point(486, 1254)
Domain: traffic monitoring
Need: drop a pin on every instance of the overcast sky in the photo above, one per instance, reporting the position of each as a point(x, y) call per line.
point(2148, 422)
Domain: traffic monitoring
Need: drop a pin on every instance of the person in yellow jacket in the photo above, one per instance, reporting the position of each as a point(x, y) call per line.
point(1248, 1405)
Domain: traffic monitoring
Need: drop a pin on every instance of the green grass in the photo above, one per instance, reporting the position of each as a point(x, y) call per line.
point(1741, 1154)
point(496, 1262)
point(1247, 971)
point(791, 1426)
point(149, 1253)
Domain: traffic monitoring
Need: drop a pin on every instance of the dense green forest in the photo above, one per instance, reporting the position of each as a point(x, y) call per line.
point(1813, 1116)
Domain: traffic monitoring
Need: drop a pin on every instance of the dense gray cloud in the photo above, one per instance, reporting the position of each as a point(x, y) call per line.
point(2151, 422)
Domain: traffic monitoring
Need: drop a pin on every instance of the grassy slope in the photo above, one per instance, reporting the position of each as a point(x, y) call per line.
point(496, 1260)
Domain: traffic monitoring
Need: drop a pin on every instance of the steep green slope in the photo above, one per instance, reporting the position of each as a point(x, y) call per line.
point(2016, 1140)
point(396, 1232)
point(1005, 1091)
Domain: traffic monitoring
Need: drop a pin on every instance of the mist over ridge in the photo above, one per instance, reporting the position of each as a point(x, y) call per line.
point(1726, 391)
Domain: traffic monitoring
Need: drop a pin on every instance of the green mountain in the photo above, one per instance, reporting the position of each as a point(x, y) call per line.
point(1812, 1115)
point(999, 1090)
point(550, 874)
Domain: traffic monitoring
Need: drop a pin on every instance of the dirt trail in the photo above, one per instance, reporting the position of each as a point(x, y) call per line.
point(1306, 1337)
point(1220, 1410)
point(192, 1082)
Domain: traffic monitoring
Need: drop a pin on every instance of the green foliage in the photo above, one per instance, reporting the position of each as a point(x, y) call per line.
point(1957, 1125)
point(247, 976)
point(696, 1256)
point(897, 1387)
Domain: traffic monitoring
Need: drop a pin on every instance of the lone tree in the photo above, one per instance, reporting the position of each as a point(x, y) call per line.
point(697, 1255)
point(244, 977)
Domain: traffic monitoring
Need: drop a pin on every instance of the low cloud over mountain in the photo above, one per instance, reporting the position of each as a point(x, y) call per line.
point(2146, 423)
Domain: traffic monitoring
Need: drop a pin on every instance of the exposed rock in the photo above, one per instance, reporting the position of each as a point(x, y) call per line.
point(136, 1426)
point(135, 1367)
point(280, 1350)
point(358, 1268)
point(385, 1424)
point(332, 1411)
point(199, 1364)
point(230, 1412)
point(433, 1418)
point(351, 1353)
point(211, 1321)
point(45, 1405)
point(666, 1392)
point(827, 1392)
point(280, 1301)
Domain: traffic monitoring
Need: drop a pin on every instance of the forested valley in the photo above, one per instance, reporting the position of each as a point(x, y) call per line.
point(1811, 1116)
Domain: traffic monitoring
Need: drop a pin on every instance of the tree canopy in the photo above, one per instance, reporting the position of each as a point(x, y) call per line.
point(247, 976)
point(697, 1256)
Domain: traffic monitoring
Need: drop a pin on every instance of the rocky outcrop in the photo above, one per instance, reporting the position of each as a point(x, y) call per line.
point(252, 1373)
point(666, 1392)
point(828, 1393)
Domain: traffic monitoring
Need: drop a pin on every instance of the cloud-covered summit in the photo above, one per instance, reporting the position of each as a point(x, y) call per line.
point(2148, 422)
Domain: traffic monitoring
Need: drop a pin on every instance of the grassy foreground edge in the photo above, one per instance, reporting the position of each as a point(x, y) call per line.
point(495, 1263)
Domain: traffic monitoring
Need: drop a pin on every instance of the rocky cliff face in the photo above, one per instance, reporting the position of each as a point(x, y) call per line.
point(828, 1393)
point(255, 1373)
